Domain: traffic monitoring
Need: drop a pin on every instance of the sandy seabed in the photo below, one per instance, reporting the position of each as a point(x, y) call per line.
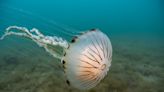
point(136, 67)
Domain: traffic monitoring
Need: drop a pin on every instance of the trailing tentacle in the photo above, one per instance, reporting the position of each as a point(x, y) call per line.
point(35, 35)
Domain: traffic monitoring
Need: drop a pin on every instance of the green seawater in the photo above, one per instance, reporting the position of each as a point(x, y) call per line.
point(135, 28)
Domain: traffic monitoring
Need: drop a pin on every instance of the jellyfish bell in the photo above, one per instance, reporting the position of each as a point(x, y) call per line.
point(86, 59)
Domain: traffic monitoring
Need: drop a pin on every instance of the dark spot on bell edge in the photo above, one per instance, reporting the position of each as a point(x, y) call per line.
point(63, 62)
point(64, 54)
point(93, 29)
point(67, 81)
point(74, 39)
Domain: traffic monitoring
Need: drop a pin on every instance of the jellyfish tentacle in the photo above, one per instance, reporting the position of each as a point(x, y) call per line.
point(37, 32)
point(36, 36)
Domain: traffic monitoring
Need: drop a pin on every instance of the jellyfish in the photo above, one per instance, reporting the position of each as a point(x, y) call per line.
point(86, 59)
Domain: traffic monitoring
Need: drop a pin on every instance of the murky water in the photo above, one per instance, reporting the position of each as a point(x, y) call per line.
point(135, 29)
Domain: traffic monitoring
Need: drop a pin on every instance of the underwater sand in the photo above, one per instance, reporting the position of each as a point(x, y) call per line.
point(137, 66)
point(135, 27)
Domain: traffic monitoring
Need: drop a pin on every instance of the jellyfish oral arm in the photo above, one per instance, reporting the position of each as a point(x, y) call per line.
point(36, 36)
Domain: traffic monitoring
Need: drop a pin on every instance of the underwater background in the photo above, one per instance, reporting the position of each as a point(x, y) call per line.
point(135, 28)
